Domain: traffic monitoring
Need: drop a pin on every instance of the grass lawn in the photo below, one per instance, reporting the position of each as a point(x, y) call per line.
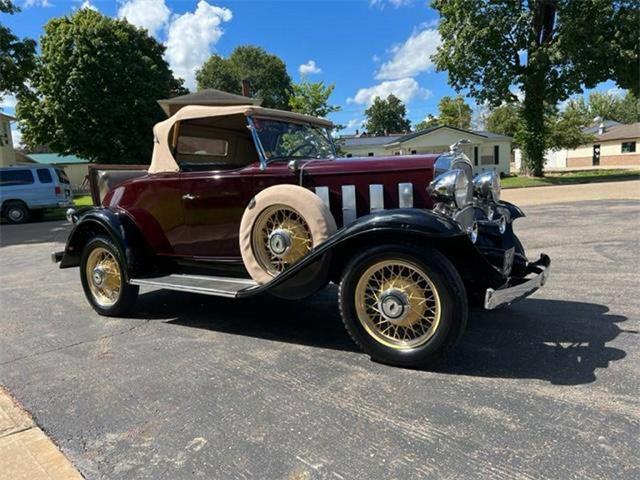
point(569, 178)
point(58, 213)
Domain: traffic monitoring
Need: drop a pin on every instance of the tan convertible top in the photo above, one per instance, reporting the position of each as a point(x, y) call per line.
point(162, 159)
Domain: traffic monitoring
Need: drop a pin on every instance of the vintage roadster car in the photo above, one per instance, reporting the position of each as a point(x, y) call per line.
point(245, 200)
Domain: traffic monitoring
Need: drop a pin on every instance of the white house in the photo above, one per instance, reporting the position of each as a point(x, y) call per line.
point(614, 145)
point(486, 150)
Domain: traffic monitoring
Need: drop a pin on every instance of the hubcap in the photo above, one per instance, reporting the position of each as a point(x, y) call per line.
point(280, 238)
point(397, 304)
point(103, 277)
point(16, 214)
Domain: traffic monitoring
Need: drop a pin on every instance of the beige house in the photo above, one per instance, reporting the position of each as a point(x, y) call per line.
point(486, 150)
point(614, 145)
point(7, 154)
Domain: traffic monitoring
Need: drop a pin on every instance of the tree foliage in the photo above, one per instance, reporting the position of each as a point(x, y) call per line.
point(386, 116)
point(94, 89)
point(312, 98)
point(452, 111)
point(267, 75)
point(608, 106)
point(17, 56)
point(549, 49)
point(505, 120)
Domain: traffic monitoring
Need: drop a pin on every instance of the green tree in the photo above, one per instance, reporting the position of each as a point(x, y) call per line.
point(550, 49)
point(94, 89)
point(312, 98)
point(17, 57)
point(429, 122)
point(628, 110)
point(267, 75)
point(387, 116)
point(623, 109)
point(505, 120)
point(454, 112)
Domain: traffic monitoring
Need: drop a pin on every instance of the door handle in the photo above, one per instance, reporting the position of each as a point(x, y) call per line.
point(188, 196)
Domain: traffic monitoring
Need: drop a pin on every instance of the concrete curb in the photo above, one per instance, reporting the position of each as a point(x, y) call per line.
point(25, 450)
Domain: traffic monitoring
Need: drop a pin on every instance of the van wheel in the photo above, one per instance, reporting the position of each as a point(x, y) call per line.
point(16, 212)
point(103, 281)
point(403, 305)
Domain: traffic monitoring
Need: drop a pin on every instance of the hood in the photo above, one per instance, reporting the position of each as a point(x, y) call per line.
point(370, 165)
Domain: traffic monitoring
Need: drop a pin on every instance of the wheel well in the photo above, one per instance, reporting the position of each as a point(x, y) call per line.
point(81, 236)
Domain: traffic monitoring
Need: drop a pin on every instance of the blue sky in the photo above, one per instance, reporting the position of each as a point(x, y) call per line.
point(367, 48)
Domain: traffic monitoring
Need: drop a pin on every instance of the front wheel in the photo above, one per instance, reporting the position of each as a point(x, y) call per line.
point(103, 281)
point(403, 305)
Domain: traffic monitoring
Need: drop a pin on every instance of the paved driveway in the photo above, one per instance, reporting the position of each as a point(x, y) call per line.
point(199, 387)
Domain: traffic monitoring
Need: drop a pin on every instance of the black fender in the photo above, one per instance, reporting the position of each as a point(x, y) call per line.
point(328, 260)
point(116, 225)
point(514, 211)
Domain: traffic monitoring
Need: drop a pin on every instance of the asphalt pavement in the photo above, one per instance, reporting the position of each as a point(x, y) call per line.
point(200, 387)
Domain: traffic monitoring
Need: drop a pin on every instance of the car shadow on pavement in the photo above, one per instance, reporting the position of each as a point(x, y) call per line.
point(562, 342)
point(31, 233)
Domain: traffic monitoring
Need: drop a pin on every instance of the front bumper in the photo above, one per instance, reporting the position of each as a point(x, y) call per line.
point(65, 203)
point(538, 273)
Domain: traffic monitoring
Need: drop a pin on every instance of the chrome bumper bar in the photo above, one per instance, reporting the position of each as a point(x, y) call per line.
point(538, 277)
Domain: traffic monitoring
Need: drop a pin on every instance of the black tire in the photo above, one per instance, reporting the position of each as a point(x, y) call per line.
point(128, 294)
point(450, 291)
point(16, 212)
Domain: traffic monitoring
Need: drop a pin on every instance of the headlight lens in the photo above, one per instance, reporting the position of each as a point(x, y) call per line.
point(487, 185)
point(450, 186)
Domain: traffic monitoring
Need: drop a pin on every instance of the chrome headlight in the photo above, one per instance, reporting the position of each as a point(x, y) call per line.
point(487, 185)
point(451, 186)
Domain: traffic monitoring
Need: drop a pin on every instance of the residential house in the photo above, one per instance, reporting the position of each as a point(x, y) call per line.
point(486, 150)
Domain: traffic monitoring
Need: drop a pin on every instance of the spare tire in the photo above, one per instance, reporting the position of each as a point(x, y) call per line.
point(280, 226)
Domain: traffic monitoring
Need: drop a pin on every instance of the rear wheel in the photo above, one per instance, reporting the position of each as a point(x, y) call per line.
point(16, 212)
point(103, 281)
point(403, 305)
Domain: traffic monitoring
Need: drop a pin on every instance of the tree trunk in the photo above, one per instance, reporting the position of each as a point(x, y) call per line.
point(533, 137)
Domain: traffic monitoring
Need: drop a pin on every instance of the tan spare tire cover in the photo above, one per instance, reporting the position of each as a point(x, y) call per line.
point(297, 211)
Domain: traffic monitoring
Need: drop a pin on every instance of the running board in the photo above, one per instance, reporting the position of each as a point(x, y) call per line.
point(216, 286)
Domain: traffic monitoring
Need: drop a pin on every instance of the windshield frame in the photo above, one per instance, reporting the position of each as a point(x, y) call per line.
point(265, 160)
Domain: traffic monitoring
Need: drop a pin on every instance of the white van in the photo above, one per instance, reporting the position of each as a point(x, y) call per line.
point(25, 191)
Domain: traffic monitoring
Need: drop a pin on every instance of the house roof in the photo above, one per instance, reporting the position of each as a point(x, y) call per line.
point(56, 159)
point(401, 138)
point(620, 132)
point(208, 97)
point(8, 117)
point(594, 127)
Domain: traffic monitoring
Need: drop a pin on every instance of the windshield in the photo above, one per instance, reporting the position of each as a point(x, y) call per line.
point(284, 141)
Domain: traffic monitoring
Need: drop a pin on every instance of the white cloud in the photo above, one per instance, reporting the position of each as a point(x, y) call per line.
point(191, 38)
point(149, 14)
point(354, 123)
point(309, 68)
point(412, 57)
point(396, 3)
point(8, 101)
point(406, 89)
point(88, 5)
point(37, 3)
point(617, 92)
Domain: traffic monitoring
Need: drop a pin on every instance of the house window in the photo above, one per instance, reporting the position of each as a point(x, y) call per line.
point(475, 156)
point(370, 154)
point(413, 152)
point(349, 155)
point(496, 154)
point(628, 147)
point(396, 153)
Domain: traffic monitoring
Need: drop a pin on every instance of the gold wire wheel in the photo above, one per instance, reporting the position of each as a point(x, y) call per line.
point(280, 238)
point(397, 304)
point(103, 277)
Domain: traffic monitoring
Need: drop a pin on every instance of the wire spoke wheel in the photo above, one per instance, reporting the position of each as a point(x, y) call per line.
point(103, 277)
point(280, 238)
point(397, 304)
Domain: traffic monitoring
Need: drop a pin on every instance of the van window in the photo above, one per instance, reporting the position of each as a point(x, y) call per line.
point(62, 176)
point(44, 175)
point(15, 177)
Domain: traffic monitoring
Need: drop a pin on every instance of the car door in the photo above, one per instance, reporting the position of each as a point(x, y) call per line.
point(213, 163)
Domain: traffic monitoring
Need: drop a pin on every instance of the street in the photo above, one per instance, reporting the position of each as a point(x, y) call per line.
point(202, 387)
